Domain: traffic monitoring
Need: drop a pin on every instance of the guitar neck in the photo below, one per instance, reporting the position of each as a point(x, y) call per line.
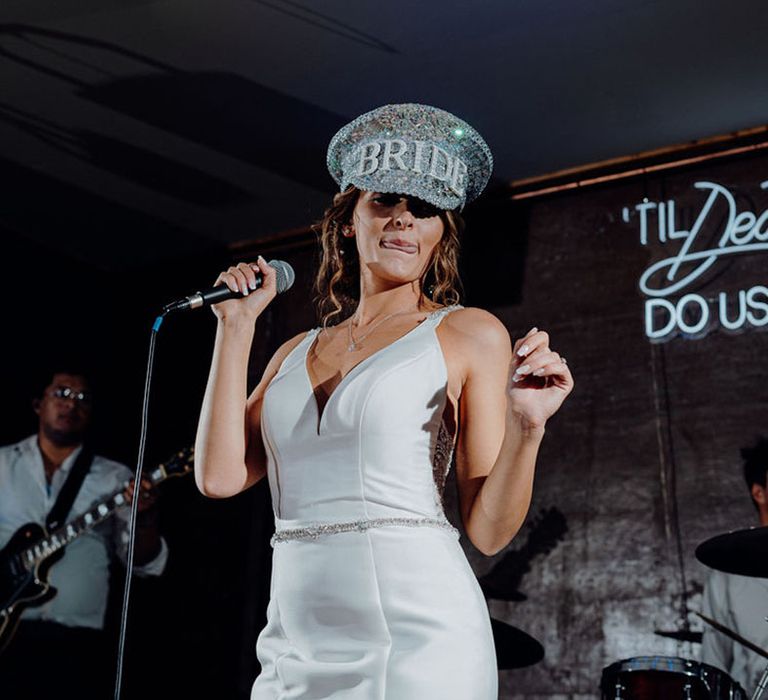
point(61, 537)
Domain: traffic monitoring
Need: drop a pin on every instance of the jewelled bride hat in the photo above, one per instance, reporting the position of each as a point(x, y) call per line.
point(415, 150)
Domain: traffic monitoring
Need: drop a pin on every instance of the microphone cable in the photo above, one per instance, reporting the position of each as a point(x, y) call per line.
point(135, 505)
point(285, 279)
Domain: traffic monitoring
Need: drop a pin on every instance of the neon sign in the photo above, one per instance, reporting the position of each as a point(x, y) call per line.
point(693, 315)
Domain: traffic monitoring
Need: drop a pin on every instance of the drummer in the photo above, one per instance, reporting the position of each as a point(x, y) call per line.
point(741, 602)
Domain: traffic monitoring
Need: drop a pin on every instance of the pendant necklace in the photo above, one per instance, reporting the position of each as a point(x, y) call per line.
point(356, 343)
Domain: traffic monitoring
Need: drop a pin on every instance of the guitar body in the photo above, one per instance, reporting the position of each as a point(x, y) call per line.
point(30, 553)
point(22, 587)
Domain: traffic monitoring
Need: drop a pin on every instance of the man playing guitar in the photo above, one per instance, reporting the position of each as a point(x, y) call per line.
point(58, 646)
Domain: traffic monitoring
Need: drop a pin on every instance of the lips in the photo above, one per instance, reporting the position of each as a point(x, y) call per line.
point(400, 245)
point(68, 418)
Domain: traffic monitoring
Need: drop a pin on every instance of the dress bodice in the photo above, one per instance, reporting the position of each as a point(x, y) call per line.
point(371, 595)
point(379, 449)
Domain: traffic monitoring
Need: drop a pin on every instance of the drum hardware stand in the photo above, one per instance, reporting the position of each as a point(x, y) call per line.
point(763, 682)
point(761, 686)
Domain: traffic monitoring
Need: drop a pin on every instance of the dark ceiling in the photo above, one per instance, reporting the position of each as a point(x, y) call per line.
point(132, 129)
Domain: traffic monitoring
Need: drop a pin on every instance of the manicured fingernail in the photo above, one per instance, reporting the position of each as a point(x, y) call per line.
point(523, 370)
point(261, 259)
point(523, 351)
point(533, 330)
point(245, 291)
point(516, 377)
point(252, 284)
point(538, 372)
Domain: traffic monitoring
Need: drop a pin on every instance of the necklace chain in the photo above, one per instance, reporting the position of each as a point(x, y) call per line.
point(356, 343)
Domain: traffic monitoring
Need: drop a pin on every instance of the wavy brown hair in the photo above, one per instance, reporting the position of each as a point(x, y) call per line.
point(337, 284)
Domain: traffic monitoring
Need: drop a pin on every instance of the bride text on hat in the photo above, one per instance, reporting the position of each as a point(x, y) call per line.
point(421, 157)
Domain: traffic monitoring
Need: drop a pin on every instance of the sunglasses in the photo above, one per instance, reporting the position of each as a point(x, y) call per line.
point(66, 393)
point(418, 207)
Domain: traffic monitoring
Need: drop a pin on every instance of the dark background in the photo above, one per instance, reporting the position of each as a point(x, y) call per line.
point(143, 140)
point(642, 462)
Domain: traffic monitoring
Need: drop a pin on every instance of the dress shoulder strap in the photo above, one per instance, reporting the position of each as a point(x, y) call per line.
point(438, 315)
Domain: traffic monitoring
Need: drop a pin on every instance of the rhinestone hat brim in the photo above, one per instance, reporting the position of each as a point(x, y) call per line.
point(412, 149)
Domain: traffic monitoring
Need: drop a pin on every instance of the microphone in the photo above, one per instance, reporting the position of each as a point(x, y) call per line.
point(285, 278)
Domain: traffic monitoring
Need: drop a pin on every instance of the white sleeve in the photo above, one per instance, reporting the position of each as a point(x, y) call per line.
point(154, 567)
point(716, 648)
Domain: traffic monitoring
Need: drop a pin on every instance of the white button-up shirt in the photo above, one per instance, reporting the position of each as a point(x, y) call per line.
point(741, 604)
point(82, 574)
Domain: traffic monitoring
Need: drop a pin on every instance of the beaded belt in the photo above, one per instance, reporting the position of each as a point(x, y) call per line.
point(314, 531)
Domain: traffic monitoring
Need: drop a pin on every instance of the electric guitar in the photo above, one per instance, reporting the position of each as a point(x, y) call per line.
point(31, 551)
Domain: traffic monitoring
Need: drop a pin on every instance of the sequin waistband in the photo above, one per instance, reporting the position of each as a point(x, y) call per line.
point(314, 531)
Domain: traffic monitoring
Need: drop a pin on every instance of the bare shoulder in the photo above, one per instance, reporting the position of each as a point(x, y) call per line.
point(477, 331)
point(273, 366)
point(474, 343)
point(289, 345)
point(286, 349)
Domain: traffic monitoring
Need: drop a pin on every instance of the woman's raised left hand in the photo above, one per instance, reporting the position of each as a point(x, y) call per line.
point(539, 379)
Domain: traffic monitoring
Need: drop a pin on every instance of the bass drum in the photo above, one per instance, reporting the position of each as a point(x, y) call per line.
point(667, 678)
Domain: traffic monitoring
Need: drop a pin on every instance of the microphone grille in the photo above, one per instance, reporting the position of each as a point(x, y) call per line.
point(285, 275)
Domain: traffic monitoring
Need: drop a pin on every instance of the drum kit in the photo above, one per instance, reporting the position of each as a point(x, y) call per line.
point(743, 552)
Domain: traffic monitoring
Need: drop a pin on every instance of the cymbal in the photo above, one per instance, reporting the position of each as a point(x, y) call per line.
point(681, 635)
point(743, 552)
point(514, 648)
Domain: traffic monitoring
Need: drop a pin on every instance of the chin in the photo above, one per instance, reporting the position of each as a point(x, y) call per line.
point(405, 270)
point(65, 438)
point(398, 277)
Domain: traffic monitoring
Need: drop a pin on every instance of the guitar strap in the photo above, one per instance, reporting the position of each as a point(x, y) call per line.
point(69, 490)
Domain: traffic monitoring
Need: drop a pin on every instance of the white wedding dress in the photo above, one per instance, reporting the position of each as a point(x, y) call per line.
point(372, 597)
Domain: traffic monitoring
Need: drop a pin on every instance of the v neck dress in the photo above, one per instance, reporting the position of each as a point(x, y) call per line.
point(372, 597)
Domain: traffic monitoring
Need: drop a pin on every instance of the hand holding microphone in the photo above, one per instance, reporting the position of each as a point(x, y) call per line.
point(256, 284)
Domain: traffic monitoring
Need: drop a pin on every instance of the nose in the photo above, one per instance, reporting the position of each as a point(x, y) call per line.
point(70, 407)
point(403, 218)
